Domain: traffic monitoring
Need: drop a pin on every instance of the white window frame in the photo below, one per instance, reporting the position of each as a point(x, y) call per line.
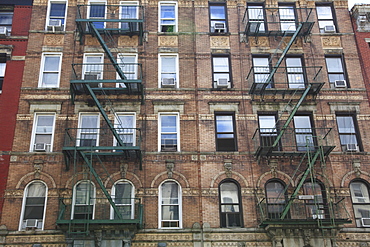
point(132, 199)
point(177, 129)
point(97, 2)
point(117, 125)
point(129, 3)
point(163, 3)
point(25, 193)
point(48, 13)
point(160, 205)
point(74, 198)
point(42, 70)
point(121, 56)
point(34, 129)
point(2, 75)
point(160, 68)
point(79, 132)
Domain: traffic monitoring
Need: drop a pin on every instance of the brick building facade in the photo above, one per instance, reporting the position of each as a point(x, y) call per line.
point(15, 21)
point(139, 125)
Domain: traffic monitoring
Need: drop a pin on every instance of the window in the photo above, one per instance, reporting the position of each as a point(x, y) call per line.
point(337, 77)
point(326, 19)
point(123, 193)
point(268, 131)
point(33, 206)
point(170, 213)
point(316, 206)
point(167, 17)
point(125, 127)
point(129, 10)
point(129, 67)
point(168, 70)
point(256, 16)
point(287, 18)
point(275, 198)
point(56, 15)
point(6, 20)
point(348, 133)
point(169, 132)
point(93, 68)
point(303, 133)
point(221, 72)
point(230, 204)
point(97, 11)
point(217, 17)
point(2, 72)
point(261, 70)
point(225, 132)
point(43, 133)
point(361, 202)
point(295, 73)
point(83, 201)
point(50, 70)
point(88, 130)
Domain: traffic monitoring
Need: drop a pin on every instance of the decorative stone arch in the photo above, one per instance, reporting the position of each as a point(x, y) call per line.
point(262, 180)
point(26, 179)
point(348, 177)
point(117, 176)
point(181, 179)
point(322, 178)
point(216, 180)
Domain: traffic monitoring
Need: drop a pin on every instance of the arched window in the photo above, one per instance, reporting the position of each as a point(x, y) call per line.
point(83, 200)
point(275, 198)
point(33, 207)
point(230, 204)
point(361, 202)
point(316, 203)
point(123, 193)
point(170, 208)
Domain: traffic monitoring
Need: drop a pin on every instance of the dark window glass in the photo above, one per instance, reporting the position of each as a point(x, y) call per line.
point(225, 132)
point(275, 193)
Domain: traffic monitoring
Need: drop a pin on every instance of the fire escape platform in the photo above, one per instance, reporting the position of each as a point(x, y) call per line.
point(269, 151)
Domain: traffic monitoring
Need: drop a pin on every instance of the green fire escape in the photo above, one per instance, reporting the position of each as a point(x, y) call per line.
point(90, 150)
point(293, 85)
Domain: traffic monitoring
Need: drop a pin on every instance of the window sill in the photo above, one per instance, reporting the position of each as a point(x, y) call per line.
point(168, 33)
point(219, 34)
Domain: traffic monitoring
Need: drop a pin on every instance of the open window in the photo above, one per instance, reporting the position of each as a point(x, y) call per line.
point(167, 17)
point(56, 17)
point(218, 17)
point(336, 72)
point(230, 204)
point(170, 205)
point(6, 20)
point(33, 206)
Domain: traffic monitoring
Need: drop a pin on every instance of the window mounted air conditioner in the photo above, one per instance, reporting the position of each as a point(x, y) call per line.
point(340, 84)
point(329, 29)
point(219, 27)
point(40, 147)
point(362, 18)
point(55, 25)
point(168, 82)
point(3, 32)
point(365, 222)
point(351, 147)
point(31, 223)
point(306, 197)
point(222, 82)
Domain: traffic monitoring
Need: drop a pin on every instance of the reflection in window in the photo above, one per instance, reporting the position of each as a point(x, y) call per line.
point(275, 197)
point(316, 207)
point(261, 70)
point(256, 18)
point(2, 73)
point(287, 18)
point(129, 10)
point(6, 20)
point(361, 202)
point(217, 18)
point(123, 197)
point(268, 131)
point(303, 133)
point(125, 127)
point(97, 11)
point(347, 133)
point(335, 70)
point(168, 67)
point(325, 19)
point(84, 200)
point(50, 70)
point(43, 131)
point(169, 132)
point(225, 132)
point(231, 211)
point(221, 71)
point(295, 72)
point(88, 130)
point(170, 205)
point(167, 17)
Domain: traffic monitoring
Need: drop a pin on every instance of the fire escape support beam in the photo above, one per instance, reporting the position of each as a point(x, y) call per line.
point(105, 116)
point(301, 181)
point(107, 195)
point(108, 52)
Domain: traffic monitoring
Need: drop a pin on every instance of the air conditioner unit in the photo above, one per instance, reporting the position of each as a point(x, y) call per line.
point(222, 82)
point(329, 29)
point(55, 25)
point(351, 147)
point(168, 82)
point(362, 18)
point(3, 32)
point(340, 83)
point(40, 147)
point(91, 77)
point(365, 222)
point(219, 27)
point(31, 223)
point(306, 197)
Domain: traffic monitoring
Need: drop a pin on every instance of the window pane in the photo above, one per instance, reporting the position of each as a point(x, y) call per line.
point(168, 64)
point(324, 12)
point(217, 12)
point(51, 63)
point(275, 192)
point(302, 122)
point(170, 212)
point(57, 9)
point(346, 125)
point(167, 11)
point(6, 18)
point(224, 124)
point(168, 123)
point(89, 121)
point(97, 11)
point(45, 124)
point(229, 193)
point(123, 193)
point(255, 12)
point(2, 69)
point(359, 192)
point(170, 193)
point(220, 64)
point(334, 64)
